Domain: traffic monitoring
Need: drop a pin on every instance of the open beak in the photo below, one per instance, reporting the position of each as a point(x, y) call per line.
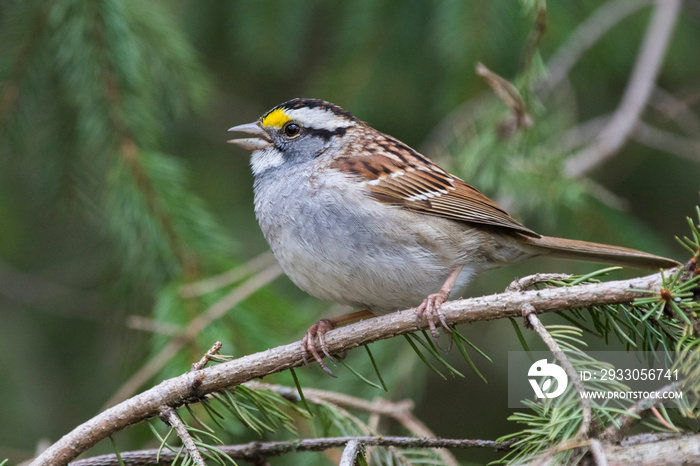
point(259, 142)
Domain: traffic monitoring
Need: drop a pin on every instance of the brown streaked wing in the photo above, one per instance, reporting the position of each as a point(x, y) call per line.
point(429, 189)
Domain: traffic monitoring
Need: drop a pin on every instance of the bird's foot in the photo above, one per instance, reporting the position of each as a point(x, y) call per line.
point(318, 332)
point(308, 343)
point(430, 311)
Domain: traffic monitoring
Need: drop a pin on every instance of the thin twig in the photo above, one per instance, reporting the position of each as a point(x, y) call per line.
point(636, 94)
point(18, 71)
point(216, 282)
point(170, 417)
point(510, 96)
point(676, 110)
point(400, 411)
point(194, 328)
point(634, 414)
point(680, 146)
point(530, 314)
point(253, 450)
point(198, 366)
point(193, 386)
point(149, 324)
point(674, 144)
point(353, 448)
point(33, 291)
point(585, 35)
point(522, 284)
point(596, 449)
point(534, 38)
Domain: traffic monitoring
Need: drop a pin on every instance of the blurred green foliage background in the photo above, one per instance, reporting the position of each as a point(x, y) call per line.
point(117, 186)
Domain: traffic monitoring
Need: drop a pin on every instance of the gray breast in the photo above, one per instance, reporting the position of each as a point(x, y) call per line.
point(338, 245)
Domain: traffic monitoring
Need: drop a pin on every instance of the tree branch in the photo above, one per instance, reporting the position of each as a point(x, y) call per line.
point(193, 386)
point(677, 449)
point(643, 133)
point(399, 411)
point(229, 277)
point(254, 451)
point(585, 35)
point(195, 327)
point(636, 94)
point(530, 314)
point(170, 417)
point(598, 453)
point(352, 449)
point(635, 413)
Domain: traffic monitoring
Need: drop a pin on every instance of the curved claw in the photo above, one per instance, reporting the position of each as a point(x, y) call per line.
point(430, 310)
point(308, 343)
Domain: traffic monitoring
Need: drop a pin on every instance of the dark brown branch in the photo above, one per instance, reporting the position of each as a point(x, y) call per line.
point(510, 96)
point(256, 450)
point(400, 411)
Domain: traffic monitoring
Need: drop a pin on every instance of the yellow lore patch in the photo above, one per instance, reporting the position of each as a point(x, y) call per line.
point(276, 118)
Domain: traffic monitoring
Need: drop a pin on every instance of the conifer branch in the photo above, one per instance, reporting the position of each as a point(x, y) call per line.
point(649, 451)
point(598, 453)
point(635, 413)
point(170, 417)
point(352, 450)
point(399, 411)
point(586, 34)
point(255, 451)
point(194, 328)
point(638, 91)
point(193, 386)
point(11, 86)
point(530, 314)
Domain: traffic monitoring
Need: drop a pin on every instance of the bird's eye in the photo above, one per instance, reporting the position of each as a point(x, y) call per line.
point(292, 130)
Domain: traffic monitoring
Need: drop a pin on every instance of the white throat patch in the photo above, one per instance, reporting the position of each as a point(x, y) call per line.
point(265, 159)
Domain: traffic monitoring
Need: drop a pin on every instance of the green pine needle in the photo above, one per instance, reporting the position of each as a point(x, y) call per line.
point(429, 345)
point(358, 375)
point(590, 278)
point(422, 357)
point(521, 337)
point(376, 369)
point(463, 351)
point(116, 451)
point(300, 391)
point(197, 419)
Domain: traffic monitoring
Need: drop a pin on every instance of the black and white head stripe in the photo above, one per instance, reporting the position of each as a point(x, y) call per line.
point(316, 116)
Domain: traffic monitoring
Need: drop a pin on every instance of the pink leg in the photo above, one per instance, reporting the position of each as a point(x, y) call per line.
point(319, 329)
point(430, 307)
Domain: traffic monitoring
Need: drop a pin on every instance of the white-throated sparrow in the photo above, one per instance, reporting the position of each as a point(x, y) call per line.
point(357, 217)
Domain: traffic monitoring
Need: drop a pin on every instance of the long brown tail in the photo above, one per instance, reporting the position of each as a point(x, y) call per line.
point(596, 252)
